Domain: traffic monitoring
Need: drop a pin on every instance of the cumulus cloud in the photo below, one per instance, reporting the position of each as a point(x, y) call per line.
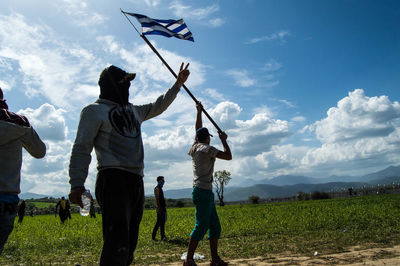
point(225, 114)
point(48, 121)
point(259, 134)
point(358, 116)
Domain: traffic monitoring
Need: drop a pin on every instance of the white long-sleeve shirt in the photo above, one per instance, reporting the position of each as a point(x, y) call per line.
point(114, 132)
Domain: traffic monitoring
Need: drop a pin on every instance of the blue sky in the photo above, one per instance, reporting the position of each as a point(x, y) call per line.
point(300, 87)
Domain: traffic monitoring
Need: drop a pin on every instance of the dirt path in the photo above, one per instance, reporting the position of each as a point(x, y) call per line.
point(354, 256)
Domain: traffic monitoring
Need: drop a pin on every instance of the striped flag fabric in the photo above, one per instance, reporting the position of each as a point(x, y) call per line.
point(164, 27)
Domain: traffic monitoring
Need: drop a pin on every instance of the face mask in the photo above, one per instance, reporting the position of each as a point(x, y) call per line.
point(124, 91)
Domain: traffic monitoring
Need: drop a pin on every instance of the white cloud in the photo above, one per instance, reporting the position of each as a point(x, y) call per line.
point(241, 77)
point(225, 114)
point(358, 116)
point(280, 36)
point(287, 103)
point(142, 60)
point(259, 134)
point(47, 121)
point(216, 22)
point(299, 119)
point(213, 93)
point(80, 14)
point(152, 3)
point(199, 14)
point(272, 65)
point(182, 10)
point(66, 74)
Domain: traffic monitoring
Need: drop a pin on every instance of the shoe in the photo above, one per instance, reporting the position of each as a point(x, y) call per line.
point(218, 262)
point(189, 263)
point(164, 238)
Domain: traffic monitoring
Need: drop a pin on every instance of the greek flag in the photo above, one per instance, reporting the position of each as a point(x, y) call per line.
point(164, 27)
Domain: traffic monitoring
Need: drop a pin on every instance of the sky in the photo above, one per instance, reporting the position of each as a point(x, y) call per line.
point(304, 87)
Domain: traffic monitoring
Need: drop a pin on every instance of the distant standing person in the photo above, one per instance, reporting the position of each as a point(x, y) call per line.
point(21, 211)
point(112, 126)
point(203, 159)
point(15, 133)
point(62, 209)
point(161, 209)
point(68, 209)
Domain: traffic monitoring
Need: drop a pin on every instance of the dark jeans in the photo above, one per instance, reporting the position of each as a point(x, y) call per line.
point(7, 216)
point(159, 224)
point(63, 215)
point(120, 195)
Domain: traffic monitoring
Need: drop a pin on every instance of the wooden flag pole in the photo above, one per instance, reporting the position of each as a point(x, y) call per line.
point(172, 71)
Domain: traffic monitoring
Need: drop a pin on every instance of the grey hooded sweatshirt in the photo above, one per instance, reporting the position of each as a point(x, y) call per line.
point(12, 138)
point(114, 132)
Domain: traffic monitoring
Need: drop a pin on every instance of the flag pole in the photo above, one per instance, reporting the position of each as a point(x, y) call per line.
point(172, 72)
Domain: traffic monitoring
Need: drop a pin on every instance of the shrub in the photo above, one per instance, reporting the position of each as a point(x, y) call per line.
point(316, 195)
point(254, 199)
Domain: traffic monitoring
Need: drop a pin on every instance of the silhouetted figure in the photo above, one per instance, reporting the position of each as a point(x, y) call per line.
point(68, 209)
point(161, 209)
point(21, 211)
point(112, 126)
point(16, 134)
point(203, 159)
point(61, 207)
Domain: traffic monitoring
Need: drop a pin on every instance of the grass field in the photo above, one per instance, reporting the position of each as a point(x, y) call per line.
point(300, 227)
point(42, 205)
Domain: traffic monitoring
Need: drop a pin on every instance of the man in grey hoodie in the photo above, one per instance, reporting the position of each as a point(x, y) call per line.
point(15, 133)
point(112, 126)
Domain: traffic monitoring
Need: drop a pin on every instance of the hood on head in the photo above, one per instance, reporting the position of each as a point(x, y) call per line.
point(110, 86)
point(3, 104)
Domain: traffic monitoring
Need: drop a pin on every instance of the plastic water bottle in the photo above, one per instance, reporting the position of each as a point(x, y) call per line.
point(86, 199)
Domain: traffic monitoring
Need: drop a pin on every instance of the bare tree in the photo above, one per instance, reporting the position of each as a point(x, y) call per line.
point(221, 179)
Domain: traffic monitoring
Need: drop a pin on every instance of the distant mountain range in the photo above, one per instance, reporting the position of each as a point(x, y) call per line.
point(284, 185)
point(290, 185)
point(29, 195)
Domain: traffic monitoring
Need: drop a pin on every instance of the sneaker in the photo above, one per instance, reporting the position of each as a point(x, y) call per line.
point(189, 263)
point(218, 262)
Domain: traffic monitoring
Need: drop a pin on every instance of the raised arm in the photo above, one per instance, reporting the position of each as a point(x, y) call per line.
point(156, 108)
point(226, 154)
point(199, 121)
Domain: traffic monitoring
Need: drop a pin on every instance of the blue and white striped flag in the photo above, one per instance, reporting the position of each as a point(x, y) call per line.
point(164, 27)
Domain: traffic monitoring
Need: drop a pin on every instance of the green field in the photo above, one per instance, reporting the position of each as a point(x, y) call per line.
point(42, 205)
point(266, 230)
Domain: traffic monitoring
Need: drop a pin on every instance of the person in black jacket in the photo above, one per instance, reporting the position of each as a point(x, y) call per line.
point(62, 209)
point(161, 209)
